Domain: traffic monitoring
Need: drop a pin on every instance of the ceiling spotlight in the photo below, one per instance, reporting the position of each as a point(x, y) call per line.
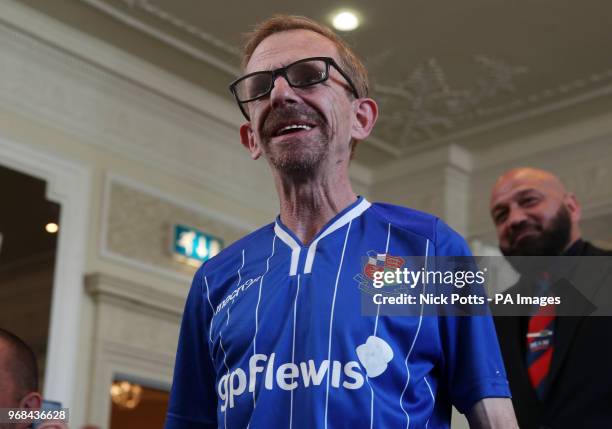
point(51, 228)
point(345, 21)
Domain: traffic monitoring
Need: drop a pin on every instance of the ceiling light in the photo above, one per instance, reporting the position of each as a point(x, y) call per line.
point(51, 228)
point(345, 21)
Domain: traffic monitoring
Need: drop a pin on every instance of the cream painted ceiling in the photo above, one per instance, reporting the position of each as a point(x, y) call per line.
point(471, 72)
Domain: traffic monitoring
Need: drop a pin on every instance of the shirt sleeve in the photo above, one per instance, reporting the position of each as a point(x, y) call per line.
point(473, 366)
point(193, 401)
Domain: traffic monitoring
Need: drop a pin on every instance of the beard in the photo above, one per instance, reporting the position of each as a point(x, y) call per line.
point(551, 241)
point(296, 156)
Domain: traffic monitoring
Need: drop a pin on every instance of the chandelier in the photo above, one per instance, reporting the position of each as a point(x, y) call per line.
point(125, 394)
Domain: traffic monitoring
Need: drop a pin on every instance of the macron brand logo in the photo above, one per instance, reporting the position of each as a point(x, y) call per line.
point(374, 355)
point(240, 289)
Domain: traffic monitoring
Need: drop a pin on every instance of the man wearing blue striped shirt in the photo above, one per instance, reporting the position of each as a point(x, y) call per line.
point(273, 335)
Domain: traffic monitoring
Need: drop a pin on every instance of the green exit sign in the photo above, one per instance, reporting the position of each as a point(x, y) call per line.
point(192, 246)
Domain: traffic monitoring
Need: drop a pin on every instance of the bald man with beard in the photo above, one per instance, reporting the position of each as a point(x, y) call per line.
point(566, 382)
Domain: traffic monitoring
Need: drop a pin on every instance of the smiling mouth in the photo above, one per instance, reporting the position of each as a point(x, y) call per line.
point(526, 233)
point(291, 129)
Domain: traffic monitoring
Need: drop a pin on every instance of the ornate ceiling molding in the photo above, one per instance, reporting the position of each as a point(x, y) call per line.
point(425, 105)
point(530, 111)
point(426, 110)
point(423, 109)
point(158, 12)
point(181, 45)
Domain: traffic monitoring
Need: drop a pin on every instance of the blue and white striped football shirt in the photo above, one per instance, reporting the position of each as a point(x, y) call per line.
point(273, 336)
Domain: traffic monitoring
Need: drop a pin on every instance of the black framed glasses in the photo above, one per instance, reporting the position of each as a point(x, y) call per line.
point(300, 74)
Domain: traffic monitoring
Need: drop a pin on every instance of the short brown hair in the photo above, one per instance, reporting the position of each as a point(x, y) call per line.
point(19, 363)
point(349, 61)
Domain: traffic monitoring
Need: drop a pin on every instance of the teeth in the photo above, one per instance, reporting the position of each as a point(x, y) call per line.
point(294, 127)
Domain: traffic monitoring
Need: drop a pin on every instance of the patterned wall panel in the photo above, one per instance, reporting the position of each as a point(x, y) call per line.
point(139, 227)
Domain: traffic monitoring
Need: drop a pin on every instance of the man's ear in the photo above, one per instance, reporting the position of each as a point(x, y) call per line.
point(32, 401)
point(574, 207)
point(247, 138)
point(366, 113)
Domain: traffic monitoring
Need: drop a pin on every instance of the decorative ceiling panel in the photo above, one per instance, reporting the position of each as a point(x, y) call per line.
point(442, 72)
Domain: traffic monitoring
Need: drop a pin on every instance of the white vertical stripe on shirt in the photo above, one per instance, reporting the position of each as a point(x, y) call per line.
point(258, 301)
point(293, 348)
point(433, 399)
point(237, 286)
point(228, 373)
point(375, 328)
point(331, 318)
point(412, 346)
point(386, 253)
point(212, 308)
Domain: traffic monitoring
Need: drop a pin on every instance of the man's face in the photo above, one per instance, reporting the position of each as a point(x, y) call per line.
point(531, 216)
point(325, 109)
